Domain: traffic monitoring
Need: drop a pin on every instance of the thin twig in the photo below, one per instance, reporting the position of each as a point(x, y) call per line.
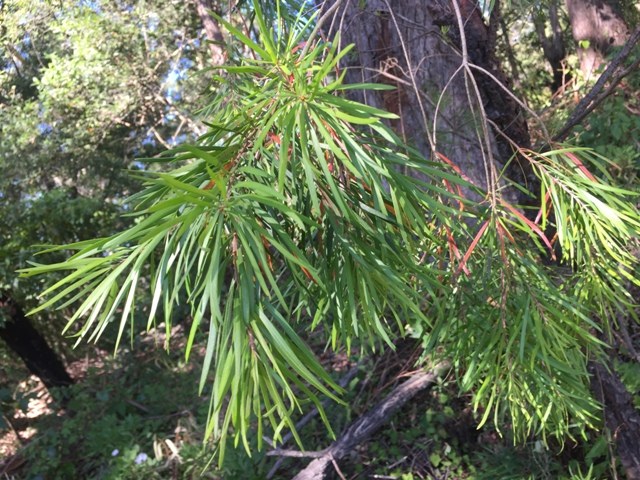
point(9, 422)
point(318, 26)
point(337, 468)
point(514, 97)
point(160, 139)
point(485, 141)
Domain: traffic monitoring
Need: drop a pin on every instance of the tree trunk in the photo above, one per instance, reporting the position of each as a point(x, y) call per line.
point(511, 56)
point(553, 45)
point(597, 25)
point(212, 30)
point(21, 337)
point(416, 46)
point(621, 417)
point(442, 99)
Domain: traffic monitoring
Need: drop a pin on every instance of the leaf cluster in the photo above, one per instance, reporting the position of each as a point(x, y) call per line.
point(284, 213)
point(293, 213)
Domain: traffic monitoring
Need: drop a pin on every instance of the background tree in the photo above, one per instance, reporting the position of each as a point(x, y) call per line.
point(75, 112)
point(597, 26)
point(553, 45)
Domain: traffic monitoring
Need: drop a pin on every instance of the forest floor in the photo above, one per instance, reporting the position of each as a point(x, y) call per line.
point(139, 416)
point(104, 385)
point(23, 421)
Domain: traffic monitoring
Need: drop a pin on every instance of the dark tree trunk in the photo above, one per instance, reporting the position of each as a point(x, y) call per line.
point(511, 56)
point(416, 47)
point(621, 417)
point(553, 45)
point(597, 25)
point(212, 30)
point(23, 339)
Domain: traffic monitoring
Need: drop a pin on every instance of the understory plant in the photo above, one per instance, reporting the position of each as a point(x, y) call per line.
point(293, 214)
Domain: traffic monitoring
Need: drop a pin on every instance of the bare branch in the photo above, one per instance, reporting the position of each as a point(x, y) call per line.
point(159, 138)
point(344, 381)
point(319, 25)
point(368, 424)
point(597, 95)
point(283, 452)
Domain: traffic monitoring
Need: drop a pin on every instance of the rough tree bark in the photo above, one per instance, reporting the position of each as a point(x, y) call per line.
point(621, 417)
point(416, 47)
point(26, 342)
point(597, 25)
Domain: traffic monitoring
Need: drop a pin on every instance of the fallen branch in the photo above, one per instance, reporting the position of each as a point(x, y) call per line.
point(368, 424)
point(281, 452)
point(596, 95)
point(344, 381)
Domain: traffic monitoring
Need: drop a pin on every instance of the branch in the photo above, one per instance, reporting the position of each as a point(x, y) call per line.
point(283, 452)
point(344, 381)
point(620, 415)
point(318, 26)
point(159, 138)
point(368, 424)
point(595, 97)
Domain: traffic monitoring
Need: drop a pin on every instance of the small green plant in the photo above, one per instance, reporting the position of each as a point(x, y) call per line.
point(630, 376)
